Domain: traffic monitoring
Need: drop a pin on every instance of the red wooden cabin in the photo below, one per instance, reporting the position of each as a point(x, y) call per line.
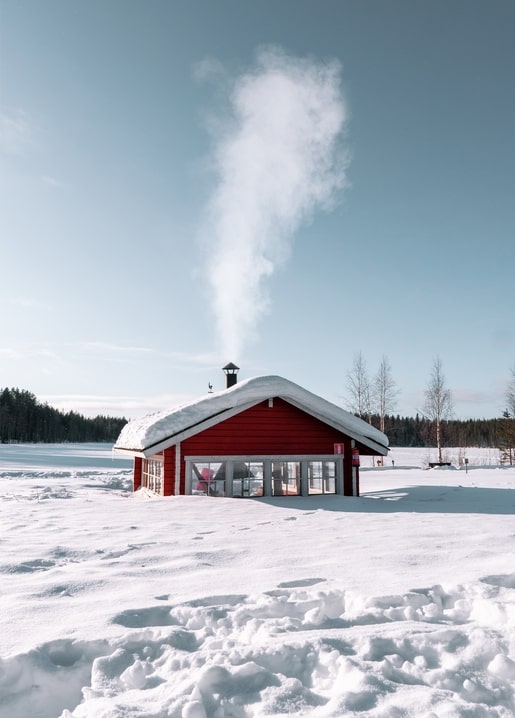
point(262, 437)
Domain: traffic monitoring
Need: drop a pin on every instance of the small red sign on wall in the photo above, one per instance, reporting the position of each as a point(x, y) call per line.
point(339, 448)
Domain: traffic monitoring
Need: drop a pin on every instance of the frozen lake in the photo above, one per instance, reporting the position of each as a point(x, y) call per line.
point(20, 457)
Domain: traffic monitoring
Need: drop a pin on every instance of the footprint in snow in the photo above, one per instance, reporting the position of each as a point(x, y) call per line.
point(301, 583)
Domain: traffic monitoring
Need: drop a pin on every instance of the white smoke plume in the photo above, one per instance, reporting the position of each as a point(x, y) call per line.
point(279, 161)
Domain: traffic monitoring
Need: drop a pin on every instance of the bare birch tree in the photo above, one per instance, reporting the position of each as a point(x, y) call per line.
point(439, 405)
point(384, 391)
point(506, 425)
point(358, 388)
point(510, 393)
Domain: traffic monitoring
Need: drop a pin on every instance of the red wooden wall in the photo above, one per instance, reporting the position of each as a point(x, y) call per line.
point(169, 472)
point(264, 430)
point(138, 463)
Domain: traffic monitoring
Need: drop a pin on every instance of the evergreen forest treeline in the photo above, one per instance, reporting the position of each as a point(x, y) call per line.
point(24, 419)
point(419, 431)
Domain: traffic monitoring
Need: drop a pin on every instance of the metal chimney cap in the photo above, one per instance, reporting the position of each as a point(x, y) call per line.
point(230, 368)
point(231, 374)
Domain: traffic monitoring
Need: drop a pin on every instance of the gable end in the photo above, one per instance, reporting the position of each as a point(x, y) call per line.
point(266, 428)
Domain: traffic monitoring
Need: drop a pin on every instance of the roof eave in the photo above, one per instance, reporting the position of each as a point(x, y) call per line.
point(361, 438)
point(224, 414)
point(130, 452)
point(197, 428)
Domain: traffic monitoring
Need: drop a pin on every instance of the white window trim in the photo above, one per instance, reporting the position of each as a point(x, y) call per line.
point(267, 462)
point(148, 478)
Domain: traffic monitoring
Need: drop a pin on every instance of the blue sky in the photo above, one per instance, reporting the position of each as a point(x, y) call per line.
point(114, 119)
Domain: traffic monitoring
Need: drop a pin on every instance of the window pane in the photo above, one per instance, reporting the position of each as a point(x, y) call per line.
point(329, 469)
point(152, 475)
point(321, 477)
point(247, 478)
point(285, 478)
point(315, 477)
point(209, 478)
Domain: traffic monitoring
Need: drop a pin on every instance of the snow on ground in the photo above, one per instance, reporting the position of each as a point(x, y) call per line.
point(398, 604)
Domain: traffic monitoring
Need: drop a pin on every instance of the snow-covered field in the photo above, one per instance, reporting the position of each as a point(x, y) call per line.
point(398, 604)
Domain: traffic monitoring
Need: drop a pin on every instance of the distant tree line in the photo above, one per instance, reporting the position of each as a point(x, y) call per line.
point(24, 419)
point(374, 400)
point(506, 434)
point(419, 431)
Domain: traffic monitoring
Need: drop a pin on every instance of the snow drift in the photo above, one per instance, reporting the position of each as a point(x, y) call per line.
point(398, 603)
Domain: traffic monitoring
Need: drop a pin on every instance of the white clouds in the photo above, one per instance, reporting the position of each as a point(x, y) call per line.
point(279, 161)
point(108, 348)
point(110, 405)
point(97, 353)
point(52, 182)
point(15, 132)
point(11, 353)
point(28, 353)
point(123, 351)
point(19, 138)
point(28, 303)
point(469, 402)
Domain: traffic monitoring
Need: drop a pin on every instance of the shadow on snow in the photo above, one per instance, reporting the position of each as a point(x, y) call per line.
point(412, 499)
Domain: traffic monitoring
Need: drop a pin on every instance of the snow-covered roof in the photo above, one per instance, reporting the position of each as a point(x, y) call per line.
point(156, 431)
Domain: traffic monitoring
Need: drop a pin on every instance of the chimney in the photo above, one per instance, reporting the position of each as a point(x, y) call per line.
point(231, 372)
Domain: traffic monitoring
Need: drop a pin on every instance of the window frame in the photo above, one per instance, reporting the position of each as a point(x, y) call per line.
point(152, 474)
point(267, 461)
point(323, 478)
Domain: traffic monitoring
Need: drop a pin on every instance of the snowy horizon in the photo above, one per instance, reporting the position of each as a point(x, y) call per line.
point(397, 603)
point(136, 406)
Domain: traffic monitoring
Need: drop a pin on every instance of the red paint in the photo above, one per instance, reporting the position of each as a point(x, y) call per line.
point(347, 469)
point(138, 464)
point(169, 471)
point(266, 431)
point(280, 429)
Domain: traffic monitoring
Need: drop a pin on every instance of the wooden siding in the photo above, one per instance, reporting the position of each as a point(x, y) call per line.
point(265, 430)
point(138, 463)
point(347, 469)
point(169, 472)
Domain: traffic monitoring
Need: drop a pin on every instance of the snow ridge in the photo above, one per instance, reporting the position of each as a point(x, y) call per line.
point(397, 604)
point(300, 649)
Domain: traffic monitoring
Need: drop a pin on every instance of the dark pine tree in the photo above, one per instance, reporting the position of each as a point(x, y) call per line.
point(24, 419)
